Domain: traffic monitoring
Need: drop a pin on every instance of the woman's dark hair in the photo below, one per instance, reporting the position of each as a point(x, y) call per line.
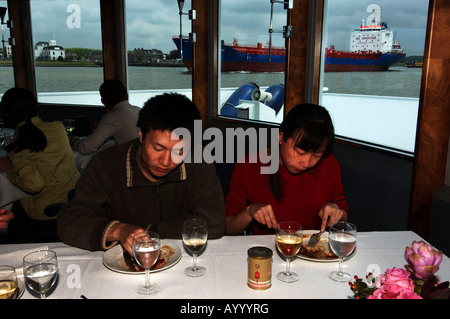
point(311, 127)
point(21, 105)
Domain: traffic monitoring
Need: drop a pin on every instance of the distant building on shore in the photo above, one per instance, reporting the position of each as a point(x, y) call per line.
point(49, 51)
point(145, 55)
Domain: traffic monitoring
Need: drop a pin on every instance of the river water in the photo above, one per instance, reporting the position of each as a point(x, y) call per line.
point(398, 81)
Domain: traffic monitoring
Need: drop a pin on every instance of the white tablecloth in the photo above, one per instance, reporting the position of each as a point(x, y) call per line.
point(83, 273)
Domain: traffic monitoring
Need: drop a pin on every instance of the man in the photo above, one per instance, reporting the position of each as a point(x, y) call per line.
point(139, 185)
point(119, 122)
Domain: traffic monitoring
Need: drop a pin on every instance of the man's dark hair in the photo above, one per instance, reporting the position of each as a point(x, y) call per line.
point(168, 112)
point(113, 92)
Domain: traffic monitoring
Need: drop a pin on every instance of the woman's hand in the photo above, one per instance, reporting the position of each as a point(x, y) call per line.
point(330, 214)
point(263, 213)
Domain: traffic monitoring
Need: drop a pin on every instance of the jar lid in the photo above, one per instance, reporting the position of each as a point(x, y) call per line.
point(260, 252)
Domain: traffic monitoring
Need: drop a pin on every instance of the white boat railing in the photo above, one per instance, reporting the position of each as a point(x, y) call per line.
point(383, 121)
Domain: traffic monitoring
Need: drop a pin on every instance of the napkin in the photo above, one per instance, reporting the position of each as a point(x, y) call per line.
point(9, 192)
point(15, 258)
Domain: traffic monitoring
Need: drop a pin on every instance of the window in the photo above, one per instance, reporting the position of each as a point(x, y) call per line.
point(371, 70)
point(6, 69)
point(252, 58)
point(154, 63)
point(67, 50)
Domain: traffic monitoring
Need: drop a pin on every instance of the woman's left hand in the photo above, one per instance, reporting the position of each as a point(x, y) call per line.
point(330, 214)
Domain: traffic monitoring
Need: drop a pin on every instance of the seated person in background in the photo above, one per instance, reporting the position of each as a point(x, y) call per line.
point(144, 184)
point(118, 123)
point(40, 162)
point(306, 188)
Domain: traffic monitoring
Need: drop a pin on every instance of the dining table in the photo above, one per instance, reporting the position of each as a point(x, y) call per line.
point(94, 274)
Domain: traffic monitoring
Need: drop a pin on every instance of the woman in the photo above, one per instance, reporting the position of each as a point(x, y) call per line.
point(307, 187)
point(40, 162)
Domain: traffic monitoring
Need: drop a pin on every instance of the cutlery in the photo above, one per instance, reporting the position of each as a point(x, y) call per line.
point(314, 239)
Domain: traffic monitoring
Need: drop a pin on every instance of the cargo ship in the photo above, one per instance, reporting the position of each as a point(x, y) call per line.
point(236, 57)
point(372, 48)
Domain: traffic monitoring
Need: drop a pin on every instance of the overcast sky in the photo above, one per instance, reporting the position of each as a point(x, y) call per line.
point(152, 23)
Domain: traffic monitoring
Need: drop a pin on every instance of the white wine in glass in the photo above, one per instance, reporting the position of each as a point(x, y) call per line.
point(289, 239)
point(8, 282)
point(40, 270)
point(146, 250)
point(342, 240)
point(195, 235)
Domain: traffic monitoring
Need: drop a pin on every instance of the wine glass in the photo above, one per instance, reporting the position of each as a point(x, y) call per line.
point(8, 282)
point(146, 250)
point(69, 124)
point(195, 235)
point(342, 240)
point(289, 239)
point(40, 270)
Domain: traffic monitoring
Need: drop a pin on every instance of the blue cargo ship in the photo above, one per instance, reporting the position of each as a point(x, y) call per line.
point(372, 48)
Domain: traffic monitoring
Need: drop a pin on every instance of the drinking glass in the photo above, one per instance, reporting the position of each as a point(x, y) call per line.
point(8, 282)
point(40, 270)
point(195, 235)
point(146, 250)
point(289, 239)
point(69, 124)
point(342, 240)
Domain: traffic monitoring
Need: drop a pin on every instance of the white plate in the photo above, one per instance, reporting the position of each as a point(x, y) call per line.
point(113, 258)
point(323, 245)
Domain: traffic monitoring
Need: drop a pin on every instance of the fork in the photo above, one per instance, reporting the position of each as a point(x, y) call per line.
point(314, 239)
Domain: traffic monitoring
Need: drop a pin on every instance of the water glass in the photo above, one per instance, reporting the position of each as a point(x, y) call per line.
point(40, 270)
point(342, 240)
point(146, 251)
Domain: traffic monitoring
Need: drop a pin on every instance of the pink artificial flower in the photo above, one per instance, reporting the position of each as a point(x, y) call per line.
point(395, 284)
point(393, 292)
point(423, 259)
point(397, 277)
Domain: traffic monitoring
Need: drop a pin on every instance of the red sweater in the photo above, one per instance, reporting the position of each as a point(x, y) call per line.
point(304, 194)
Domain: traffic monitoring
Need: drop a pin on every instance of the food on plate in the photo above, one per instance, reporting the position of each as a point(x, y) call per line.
point(321, 251)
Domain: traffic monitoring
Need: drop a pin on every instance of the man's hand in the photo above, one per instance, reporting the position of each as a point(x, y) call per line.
point(124, 233)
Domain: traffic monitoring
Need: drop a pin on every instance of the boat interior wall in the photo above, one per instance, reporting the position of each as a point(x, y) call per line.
point(440, 219)
point(52, 112)
point(447, 170)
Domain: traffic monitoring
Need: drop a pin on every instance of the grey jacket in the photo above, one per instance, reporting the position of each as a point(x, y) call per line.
point(119, 123)
point(112, 188)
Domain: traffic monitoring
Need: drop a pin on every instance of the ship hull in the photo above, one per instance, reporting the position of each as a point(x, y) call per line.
point(235, 61)
point(381, 62)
